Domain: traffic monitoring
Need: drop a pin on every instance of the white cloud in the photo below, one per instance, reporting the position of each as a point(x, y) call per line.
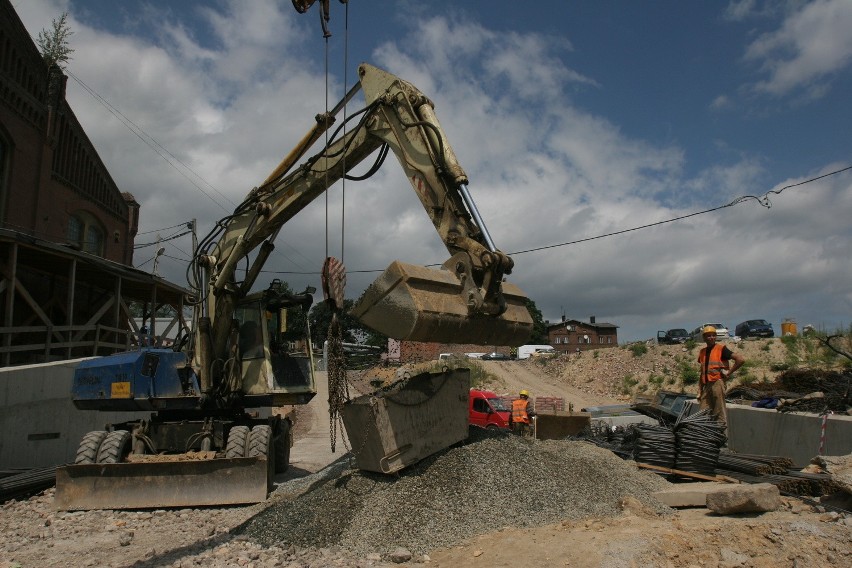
point(811, 45)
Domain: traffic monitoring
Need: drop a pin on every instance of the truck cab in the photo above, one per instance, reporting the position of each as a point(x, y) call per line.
point(487, 410)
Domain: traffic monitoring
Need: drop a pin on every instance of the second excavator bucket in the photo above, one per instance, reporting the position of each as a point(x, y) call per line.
point(416, 303)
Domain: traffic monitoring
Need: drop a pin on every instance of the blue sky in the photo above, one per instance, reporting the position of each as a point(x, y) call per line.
point(572, 120)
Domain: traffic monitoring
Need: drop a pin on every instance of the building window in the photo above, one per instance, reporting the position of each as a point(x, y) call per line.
point(5, 156)
point(85, 233)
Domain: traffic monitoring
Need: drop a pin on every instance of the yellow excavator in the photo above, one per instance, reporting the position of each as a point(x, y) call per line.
point(205, 443)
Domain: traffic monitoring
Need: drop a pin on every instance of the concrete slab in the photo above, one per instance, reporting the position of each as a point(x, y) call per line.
point(689, 494)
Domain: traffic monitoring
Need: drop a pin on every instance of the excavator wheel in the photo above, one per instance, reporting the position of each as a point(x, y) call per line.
point(260, 442)
point(282, 447)
point(260, 445)
point(237, 445)
point(115, 447)
point(89, 446)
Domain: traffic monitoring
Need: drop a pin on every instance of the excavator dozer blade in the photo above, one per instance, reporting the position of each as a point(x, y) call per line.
point(416, 303)
point(151, 485)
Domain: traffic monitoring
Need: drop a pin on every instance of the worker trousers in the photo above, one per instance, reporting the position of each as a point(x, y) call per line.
point(713, 399)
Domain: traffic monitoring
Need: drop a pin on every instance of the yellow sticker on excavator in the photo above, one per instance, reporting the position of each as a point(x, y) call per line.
point(120, 390)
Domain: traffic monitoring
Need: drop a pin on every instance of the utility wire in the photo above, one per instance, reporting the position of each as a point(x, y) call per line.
point(163, 229)
point(152, 143)
point(762, 200)
point(144, 245)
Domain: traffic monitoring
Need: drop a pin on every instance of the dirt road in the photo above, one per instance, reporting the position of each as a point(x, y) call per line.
point(517, 375)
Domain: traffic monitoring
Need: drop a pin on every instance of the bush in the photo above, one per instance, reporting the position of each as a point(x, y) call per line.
point(689, 375)
point(627, 383)
point(689, 344)
point(746, 378)
point(638, 349)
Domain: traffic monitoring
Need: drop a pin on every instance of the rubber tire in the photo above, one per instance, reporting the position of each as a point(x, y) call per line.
point(260, 445)
point(115, 447)
point(87, 452)
point(282, 447)
point(237, 445)
point(260, 442)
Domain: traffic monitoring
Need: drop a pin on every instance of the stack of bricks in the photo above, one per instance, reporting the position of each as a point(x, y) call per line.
point(541, 403)
point(549, 404)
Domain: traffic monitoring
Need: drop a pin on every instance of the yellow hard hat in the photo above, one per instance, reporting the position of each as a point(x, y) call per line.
point(524, 393)
point(708, 329)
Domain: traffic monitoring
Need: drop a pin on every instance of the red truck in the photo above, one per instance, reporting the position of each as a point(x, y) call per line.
point(488, 410)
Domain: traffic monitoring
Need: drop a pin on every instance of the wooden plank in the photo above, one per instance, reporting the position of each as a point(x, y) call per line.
point(719, 478)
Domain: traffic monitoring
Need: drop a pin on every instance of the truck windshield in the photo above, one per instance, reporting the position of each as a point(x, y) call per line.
point(499, 404)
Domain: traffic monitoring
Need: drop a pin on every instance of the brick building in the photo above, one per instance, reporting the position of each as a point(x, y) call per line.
point(570, 336)
point(66, 230)
point(53, 184)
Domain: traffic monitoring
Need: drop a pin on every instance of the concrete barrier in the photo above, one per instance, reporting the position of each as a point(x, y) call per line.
point(39, 425)
point(558, 425)
point(796, 436)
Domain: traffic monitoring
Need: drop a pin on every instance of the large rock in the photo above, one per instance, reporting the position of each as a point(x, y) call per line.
point(757, 498)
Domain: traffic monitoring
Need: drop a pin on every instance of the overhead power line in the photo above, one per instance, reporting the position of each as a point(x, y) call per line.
point(144, 245)
point(762, 199)
point(152, 143)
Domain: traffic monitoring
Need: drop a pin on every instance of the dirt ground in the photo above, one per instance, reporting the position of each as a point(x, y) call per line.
point(797, 535)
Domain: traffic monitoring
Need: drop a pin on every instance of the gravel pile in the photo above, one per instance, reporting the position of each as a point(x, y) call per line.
point(493, 480)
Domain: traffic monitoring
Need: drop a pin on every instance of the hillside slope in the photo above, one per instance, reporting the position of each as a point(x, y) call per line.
point(642, 369)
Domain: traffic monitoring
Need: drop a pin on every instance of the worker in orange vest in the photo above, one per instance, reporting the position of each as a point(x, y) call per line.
point(522, 413)
point(716, 368)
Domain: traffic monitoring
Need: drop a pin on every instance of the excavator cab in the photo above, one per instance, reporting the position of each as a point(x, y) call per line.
point(277, 365)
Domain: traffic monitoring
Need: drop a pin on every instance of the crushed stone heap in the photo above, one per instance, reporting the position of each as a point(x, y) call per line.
point(493, 480)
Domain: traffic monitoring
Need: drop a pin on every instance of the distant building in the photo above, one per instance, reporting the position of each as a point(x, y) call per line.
point(571, 336)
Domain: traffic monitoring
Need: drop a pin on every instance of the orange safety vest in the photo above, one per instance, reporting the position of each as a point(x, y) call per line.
point(519, 411)
point(714, 366)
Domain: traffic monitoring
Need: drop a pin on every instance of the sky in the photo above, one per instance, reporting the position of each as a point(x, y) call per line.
point(577, 123)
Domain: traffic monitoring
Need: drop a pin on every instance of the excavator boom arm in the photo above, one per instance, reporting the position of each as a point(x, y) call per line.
point(400, 116)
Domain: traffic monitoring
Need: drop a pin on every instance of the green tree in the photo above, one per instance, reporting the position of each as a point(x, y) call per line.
point(53, 44)
point(320, 319)
point(539, 333)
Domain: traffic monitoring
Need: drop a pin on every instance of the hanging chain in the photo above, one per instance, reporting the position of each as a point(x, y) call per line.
point(338, 387)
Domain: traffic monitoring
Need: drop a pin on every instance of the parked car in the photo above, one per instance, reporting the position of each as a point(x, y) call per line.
point(672, 336)
point(721, 331)
point(495, 357)
point(527, 351)
point(754, 328)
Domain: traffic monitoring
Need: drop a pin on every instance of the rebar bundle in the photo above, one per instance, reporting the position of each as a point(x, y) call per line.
point(26, 483)
point(754, 464)
point(655, 445)
point(699, 438)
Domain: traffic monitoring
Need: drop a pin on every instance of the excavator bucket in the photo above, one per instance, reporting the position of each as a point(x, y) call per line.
point(416, 303)
point(152, 485)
